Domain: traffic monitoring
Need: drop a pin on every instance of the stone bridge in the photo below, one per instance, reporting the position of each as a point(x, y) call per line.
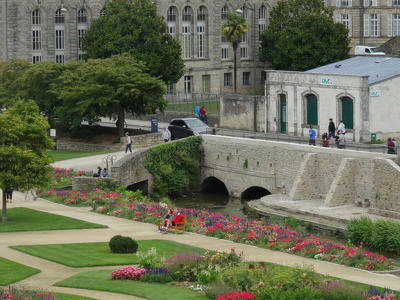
point(251, 169)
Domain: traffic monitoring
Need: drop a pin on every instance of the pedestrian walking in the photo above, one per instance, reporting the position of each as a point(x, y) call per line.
point(166, 135)
point(331, 129)
point(203, 116)
point(341, 127)
point(390, 146)
point(30, 193)
point(128, 143)
point(197, 110)
point(312, 135)
point(9, 193)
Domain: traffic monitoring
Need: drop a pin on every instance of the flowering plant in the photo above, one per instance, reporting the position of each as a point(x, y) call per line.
point(236, 296)
point(128, 273)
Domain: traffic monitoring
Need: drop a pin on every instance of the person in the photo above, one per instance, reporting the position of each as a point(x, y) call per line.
point(166, 135)
point(390, 146)
point(215, 129)
point(9, 193)
point(128, 143)
point(178, 218)
point(341, 140)
point(203, 116)
point(325, 140)
point(341, 127)
point(331, 129)
point(312, 134)
point(104, 173)
point(197, 110)
point(30, 193)
point(169, 216)
point(98, 172)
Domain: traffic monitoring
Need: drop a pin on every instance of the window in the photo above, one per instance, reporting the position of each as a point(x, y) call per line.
point(227, 79)
point(81, 16)
point(244, 47)
point(396, 2)
point(312, 109)
point(36, 58)
point(246, 78)
point(205, 83)
point(186, 42)
point(59, 17)
point(186, 14)
point(60, 58)
point(224, 13)
point(346, 21)
point(81, 33)
point(263, 77)
point(344, 3)
point(201, 14)
point(393, 25)
point(36, 18)
point(102, 11)
point(371, 25)
point(188, 84)
point(171, 15)
point(262, 17)
point(200, 41)
point(370, 2)
point(36, 39)
point(171, 88)
point(59, 39)
point(224, 52)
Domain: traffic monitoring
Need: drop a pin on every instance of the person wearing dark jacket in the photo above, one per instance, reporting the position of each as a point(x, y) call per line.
point(331, 129)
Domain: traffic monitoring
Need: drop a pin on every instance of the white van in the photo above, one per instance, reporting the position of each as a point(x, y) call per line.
point(368, 50)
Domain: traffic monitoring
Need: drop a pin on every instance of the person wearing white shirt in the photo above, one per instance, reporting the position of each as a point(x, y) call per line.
point(166, 135)
point(341, 127)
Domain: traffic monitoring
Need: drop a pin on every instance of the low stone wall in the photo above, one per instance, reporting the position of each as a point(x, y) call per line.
point(85, 183)
point(166, 117)
point(139, 141)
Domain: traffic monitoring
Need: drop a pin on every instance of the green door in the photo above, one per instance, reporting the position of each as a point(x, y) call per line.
point(347, 112)
point(282, 118)
point(312, 110)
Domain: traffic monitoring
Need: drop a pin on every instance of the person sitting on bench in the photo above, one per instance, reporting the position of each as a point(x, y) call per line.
point(178, 218)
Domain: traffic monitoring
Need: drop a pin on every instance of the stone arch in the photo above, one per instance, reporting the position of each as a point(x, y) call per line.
point(254, 192)
point(141, 185)
point(213, 184)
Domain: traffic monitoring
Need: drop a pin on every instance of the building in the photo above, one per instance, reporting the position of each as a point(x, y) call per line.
point(362, 91)
point(37, 30)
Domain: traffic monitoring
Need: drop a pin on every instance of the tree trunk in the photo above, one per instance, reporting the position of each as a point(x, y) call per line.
point(121, 122)
point(234, 67)
point(4, 210)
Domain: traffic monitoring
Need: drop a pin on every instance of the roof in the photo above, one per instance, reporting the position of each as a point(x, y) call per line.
point(378, 68)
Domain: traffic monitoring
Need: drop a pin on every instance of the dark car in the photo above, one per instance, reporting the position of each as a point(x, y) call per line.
point(181, 128)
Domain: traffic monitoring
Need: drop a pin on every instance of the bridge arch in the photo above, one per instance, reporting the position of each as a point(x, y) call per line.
point(254, 192)
point(214, 185)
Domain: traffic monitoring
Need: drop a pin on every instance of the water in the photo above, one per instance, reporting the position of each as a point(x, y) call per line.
point(215, 202)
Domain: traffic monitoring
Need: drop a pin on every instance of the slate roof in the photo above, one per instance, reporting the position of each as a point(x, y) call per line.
point(378, 68)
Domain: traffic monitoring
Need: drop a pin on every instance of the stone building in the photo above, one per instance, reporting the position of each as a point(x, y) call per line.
point(37, 30)
point(362, 91)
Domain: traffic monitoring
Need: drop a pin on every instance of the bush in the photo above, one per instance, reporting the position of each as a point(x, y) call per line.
point(107, 185)
point(184, 266)
point(149, 259)
point(156, 275)
point(121, 244)
point(128, 273)
point(359, 230)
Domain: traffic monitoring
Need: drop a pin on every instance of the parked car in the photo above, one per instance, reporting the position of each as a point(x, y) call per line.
point(368, 50)
point(181, 128)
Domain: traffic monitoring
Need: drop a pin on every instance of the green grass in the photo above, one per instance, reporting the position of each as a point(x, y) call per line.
point(25, 219)
point(12, 272)
point(99, 254)
point(63, 296)
point(100, 281)
point(212, 107)
point(59, 155)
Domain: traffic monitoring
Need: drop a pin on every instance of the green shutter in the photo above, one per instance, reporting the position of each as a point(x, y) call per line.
point(347, 112)
point(312, 110)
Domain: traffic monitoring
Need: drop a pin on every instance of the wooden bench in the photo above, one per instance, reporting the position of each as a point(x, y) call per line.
point(179, 227)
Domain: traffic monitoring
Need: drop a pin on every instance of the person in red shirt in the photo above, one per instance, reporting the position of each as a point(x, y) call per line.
point(178, 218)
point(203, 116)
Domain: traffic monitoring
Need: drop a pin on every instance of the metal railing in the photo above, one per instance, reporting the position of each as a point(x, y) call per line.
point(183, 102)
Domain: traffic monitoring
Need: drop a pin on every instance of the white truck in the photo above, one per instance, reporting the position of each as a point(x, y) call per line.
point(368, 50)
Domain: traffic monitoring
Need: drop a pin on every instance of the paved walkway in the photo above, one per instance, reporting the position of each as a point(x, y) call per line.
point(53, 272)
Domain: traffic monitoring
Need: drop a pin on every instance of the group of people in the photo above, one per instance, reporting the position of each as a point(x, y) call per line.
point(170, 219)
point(101, 173)
point(30, 194)
point(338, 134)
point(200, 112)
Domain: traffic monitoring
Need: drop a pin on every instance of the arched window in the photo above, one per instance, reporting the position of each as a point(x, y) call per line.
point(262, 20)
point(59, 17)
point(186, 33)
point(224, 13)
point(82, 28)
point(171, 21)
point(201, 32)
point(36, 17)
point(102, 11)
point(312, 109)
point(59, 36)
point(82, 16)
point(347, 112)
point(36, 30)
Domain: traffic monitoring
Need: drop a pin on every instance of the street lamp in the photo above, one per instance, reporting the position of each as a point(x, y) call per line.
point(239, 11)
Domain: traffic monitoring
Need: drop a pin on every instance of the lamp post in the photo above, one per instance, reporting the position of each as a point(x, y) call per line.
point(239, 11)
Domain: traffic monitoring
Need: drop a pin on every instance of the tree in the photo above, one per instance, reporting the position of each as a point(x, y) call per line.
point(23, 143)
point(107, 87)
point(234, 28)
point(133, 26)
point(302, 35)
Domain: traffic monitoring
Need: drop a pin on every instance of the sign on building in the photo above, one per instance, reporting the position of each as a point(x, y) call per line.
point(326, 81)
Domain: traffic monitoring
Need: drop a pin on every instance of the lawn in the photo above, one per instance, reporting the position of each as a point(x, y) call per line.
point(12, 272)
point(100, 281)
point(59, 155)
point(25, 219)
point(99, 254)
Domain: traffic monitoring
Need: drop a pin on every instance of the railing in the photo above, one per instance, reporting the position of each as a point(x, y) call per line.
point(184, 102)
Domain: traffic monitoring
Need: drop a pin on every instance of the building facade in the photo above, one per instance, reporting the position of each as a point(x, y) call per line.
point(38, 30)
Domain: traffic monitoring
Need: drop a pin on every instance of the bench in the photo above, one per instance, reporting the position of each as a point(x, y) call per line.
point(179, 227)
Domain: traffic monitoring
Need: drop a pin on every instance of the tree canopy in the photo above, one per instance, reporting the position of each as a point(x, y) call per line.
point(23, 143)
point(133, 26)
point(106, 88)
point(302, 35)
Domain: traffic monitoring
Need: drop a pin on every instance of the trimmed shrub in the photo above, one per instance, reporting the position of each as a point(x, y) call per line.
point(123, 244)
point(156, 275)
point(128, 273)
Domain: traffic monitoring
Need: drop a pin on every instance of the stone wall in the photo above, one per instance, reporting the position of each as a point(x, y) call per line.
point(85, 183)
point(167, 116)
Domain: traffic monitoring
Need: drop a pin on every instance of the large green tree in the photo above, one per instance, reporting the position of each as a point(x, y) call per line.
point(233, 29)
point(105, 88)
point(133, 26)
point(23, 143)
point(302, 35)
